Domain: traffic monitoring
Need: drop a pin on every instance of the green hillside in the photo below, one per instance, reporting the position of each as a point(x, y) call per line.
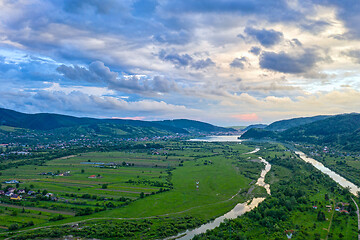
point(294, 122)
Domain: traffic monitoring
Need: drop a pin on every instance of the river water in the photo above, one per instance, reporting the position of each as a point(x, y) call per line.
point(231, 138)
point(242, 208)
point(238, 210)
point(336, 177)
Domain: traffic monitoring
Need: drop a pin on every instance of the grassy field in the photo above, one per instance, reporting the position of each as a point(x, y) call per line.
point(296, 187)
point(138, 183)
point(224, 175)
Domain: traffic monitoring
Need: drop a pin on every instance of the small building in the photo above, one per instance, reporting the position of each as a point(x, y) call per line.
point(344, 211)
point(15, 197)
point(2, 192)
point(49, 195)
point(314, 207)
point(11, 190)
point(30, 193)
point(21, 191)
point(92, 176)
point(337, 209)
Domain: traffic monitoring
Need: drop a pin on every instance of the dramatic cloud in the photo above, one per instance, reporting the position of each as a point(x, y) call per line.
point(175, 58)
point(184, 60)
point(267, 38)
point(181, 58)
point(290, 63)
point(99, 73)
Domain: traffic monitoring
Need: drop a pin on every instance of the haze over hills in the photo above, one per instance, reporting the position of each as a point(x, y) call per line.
point(50, 121)
point(193, 126)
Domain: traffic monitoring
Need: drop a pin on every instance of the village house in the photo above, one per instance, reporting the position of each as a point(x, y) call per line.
point(21, 191)
point(9, 194)
point(49, 195)
point(15, 197)
point(2, 192)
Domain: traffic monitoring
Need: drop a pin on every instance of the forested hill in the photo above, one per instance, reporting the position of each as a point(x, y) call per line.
point(194, 126)
point(294, 122)
point(50, 121)
point(259, 126)
point(342, 130)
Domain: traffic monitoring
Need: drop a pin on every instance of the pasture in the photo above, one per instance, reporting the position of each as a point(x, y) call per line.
point(139, 183)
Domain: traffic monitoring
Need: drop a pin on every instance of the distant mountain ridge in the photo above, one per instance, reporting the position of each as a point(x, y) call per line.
point(294, 122)
point(259, 126)
point(49, 121)
point(342, 130)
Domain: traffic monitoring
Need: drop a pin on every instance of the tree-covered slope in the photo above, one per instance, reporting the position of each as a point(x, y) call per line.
point(258, 133)
point(294, 122)
point(339, 129)
point(121, 127)
point(260, 126)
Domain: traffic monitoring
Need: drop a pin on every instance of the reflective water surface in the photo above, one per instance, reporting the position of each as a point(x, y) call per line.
point(336, 177)
point(232, 138)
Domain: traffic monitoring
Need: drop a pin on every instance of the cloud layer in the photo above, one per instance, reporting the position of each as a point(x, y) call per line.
point(229, 62)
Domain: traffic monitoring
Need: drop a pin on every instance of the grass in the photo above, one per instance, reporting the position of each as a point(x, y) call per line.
point(213, 165)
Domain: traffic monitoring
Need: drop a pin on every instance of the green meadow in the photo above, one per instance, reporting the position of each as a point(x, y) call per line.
point(179, 179)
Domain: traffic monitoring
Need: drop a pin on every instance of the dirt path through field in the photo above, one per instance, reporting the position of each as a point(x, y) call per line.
point(358, 215)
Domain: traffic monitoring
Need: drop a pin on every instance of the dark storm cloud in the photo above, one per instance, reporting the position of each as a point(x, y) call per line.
point(267, 38)
point(287, 63)
point(238, 63)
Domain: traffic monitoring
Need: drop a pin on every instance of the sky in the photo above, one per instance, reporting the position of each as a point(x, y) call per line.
point(226, 62)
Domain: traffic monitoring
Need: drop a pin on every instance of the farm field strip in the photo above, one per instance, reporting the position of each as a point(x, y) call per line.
point(37, 209)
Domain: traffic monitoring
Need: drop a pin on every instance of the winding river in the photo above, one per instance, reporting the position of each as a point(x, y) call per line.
point(239, 209)
point(333, 175)
point(242, 208)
